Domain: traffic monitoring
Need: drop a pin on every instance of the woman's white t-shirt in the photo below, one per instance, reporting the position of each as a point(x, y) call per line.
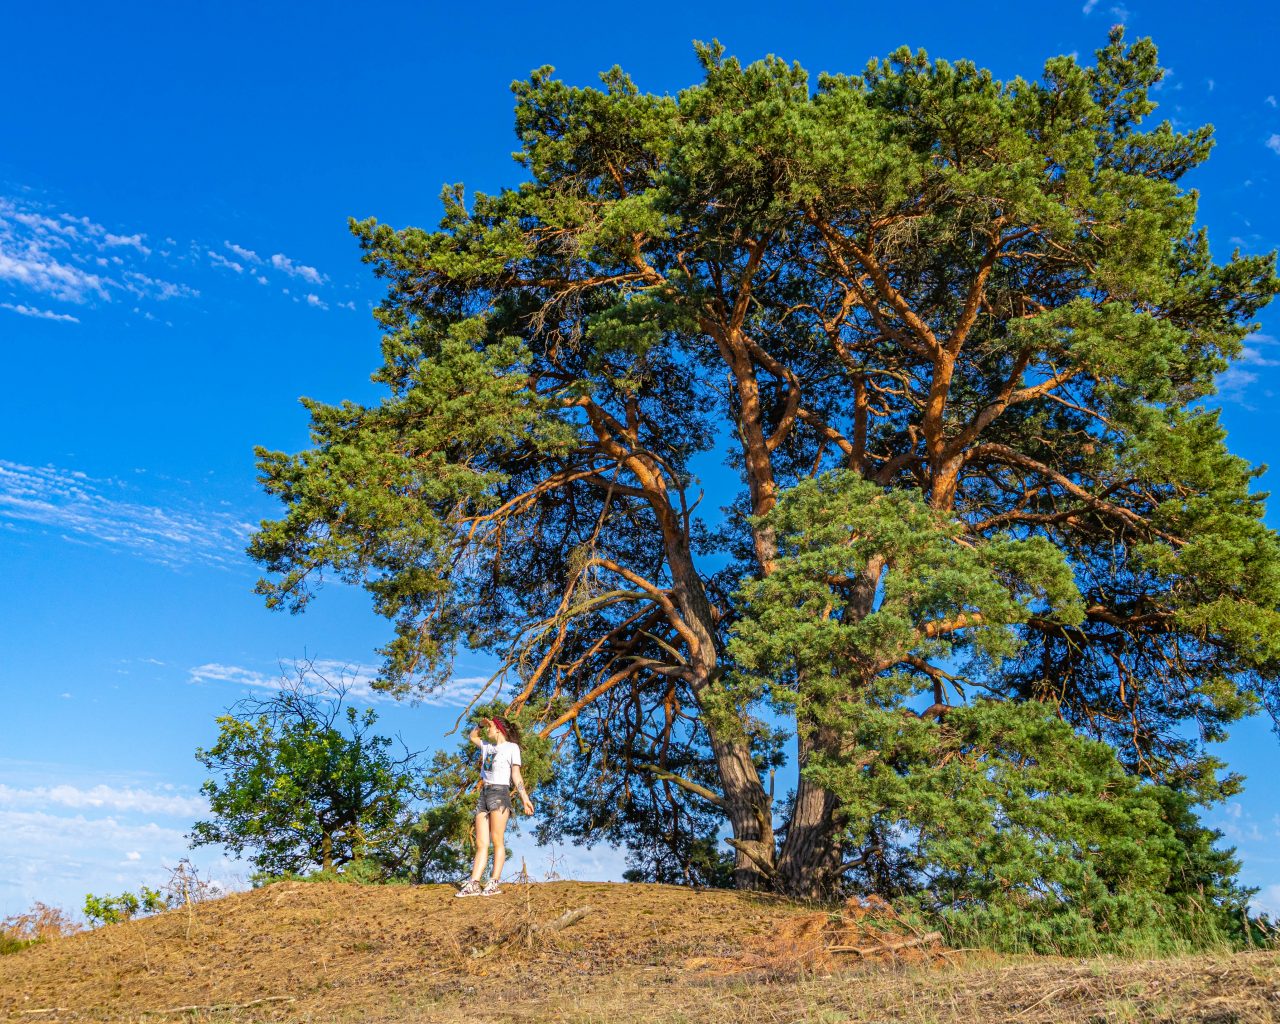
point(496, 761)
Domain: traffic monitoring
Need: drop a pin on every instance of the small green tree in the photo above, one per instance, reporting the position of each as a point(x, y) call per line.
point(302, 781)
point(125, 907)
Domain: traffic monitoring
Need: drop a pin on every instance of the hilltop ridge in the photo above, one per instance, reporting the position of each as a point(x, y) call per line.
point(580, 952)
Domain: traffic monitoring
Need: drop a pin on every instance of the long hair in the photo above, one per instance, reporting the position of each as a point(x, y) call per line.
point(509, 729)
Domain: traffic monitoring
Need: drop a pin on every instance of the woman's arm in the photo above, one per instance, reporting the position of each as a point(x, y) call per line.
point(475, 737)
point(518, 781)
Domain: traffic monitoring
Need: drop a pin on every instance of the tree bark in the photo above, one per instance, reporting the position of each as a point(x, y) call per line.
point(811, 856)
point(747, 806)
point(746, 803)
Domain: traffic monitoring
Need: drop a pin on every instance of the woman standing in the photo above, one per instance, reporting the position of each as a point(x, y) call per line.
point(500, 768)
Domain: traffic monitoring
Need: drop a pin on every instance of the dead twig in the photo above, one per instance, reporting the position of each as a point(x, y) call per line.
point(220, 1007)
point(1045, 998)
point(887, 947)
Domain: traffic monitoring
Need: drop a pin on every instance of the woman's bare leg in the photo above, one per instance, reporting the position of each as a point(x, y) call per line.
point(498, 825)
point(482, 846)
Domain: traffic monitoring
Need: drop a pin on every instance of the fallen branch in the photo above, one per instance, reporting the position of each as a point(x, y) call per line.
point(218, 1007)
point(887, 947)
point(564, 920)
point(1045, 998)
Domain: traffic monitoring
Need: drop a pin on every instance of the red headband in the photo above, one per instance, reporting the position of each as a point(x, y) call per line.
point(501, 726)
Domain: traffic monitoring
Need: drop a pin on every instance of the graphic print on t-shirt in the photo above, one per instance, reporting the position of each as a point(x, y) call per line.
point(496, 761)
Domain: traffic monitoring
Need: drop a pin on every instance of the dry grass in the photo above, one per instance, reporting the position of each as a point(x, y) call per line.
point(310, 952)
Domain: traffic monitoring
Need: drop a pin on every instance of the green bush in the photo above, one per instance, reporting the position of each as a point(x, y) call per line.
point(125, 907)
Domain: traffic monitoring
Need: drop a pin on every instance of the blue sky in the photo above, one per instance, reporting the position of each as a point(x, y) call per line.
point(175, 272)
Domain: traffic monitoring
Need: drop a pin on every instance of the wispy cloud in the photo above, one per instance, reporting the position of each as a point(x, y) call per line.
point(58, 858)
point(36, 270)
point(1273, 144)
point(358, 680)
point(132, 241)
point(309, 274)
point(248, 255)
point(1234, 382)
point(1267, 901)
point(218, 260)
point(40, 314)
point(55, 255)
point(1252, 353)
point(104, 512)
point(145, 286)
point(51, 256)
point(101, 797)
point(1089, 6)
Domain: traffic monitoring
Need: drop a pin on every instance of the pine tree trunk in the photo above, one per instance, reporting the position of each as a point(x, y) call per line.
point(747, 806)
point(746, 802)
point(811, 856)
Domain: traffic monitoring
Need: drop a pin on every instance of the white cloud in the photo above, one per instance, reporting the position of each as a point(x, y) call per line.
point(1210, 81)
point(1120, 13)
point(347, 305)
point(36, 270)
point(144, 286)
point(40, 314)
point(30, 829)
point(133, 241)
point(89, 226)
point(1089, 6)
point(48, 254)
point(358, 679)
point(282, 262)
point(260, 278)
point(133, 855)
point(1267, 901)
point(1273, 144)
point(1233, 383)
point(248, 255)
point(57, 859)
point(1251, 356)
point(1271, 101)
point(218, 260)
point(316, 301)
point(100, 511)
point(101, 797)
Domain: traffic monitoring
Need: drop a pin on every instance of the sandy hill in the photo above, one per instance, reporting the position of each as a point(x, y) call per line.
point(585, 952)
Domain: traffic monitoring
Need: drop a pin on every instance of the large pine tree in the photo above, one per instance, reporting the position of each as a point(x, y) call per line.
point(958, 336)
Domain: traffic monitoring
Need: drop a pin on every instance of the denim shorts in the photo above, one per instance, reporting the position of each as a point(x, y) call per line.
point(494, 798)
